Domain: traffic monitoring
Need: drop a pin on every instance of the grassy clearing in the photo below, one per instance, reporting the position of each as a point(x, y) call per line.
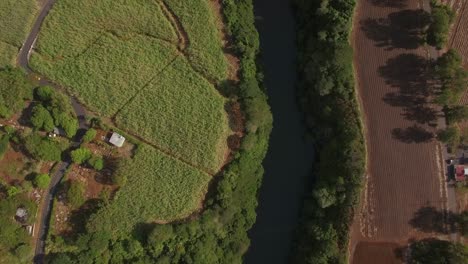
point(106, 76)
point(182, 119)
point(205, 49)
point(71, 28)
point(158, 188)
point(16, 17)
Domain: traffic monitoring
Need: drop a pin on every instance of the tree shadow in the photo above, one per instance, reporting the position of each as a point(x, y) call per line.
point(389, 3)
point(409, 73)
point(412, 134)
point(403, 29)
point(429, 220)
point(80, 216)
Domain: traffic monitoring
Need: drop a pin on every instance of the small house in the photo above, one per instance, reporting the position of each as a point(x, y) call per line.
point(460, 173)
point(58, 132)
point(21, 215)
point(117, 140)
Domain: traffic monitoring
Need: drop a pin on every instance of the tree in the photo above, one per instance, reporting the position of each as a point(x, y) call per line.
point(456, 114)
point(89, 135)
point(324, 196)
point(450, 136)
point(42, 119)
point(43, 148)
point(81, 155)
point(442, 16)
point(42, 181)
point(433, 251)
point(76, 194)
point(15, 87)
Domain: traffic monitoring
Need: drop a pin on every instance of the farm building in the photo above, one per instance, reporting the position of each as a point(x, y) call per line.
point(460, 172)
point(117, 140)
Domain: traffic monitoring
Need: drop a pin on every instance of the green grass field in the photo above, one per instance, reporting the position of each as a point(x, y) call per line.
point(158, 188)
point(204, 52)
point(187, 116)
point(16, 17)
point(125, 60)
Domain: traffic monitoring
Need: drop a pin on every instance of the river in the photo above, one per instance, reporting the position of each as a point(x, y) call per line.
point(289, 159)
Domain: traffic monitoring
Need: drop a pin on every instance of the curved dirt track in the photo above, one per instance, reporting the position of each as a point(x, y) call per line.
point(405, 179)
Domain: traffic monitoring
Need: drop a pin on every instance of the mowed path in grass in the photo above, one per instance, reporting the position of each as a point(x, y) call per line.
point(126, 61)
point(16, 17)
point(404, 166)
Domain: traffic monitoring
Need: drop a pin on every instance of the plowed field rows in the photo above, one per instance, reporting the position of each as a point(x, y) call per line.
point(403, 162)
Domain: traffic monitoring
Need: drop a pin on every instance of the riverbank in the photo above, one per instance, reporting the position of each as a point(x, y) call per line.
point(329, 100)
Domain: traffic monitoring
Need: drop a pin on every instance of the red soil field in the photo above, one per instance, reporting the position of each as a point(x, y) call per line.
point(404, 195)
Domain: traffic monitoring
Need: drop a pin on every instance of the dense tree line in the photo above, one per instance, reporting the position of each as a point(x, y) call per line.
point(327, 97)
point(433, 251)
point(219, 233)
point(441, 19)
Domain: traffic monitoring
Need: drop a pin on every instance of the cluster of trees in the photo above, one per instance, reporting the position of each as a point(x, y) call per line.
point(441, 19)
point(433, 251)
point(15, 243)
point(452, 81)
point(14, 90)
point(219, 233)
point(327, 97)
point(42, 148)
point(83, 155)
point(54, 110)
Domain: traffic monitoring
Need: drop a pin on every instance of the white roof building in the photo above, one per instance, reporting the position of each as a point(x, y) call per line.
point(117, 140)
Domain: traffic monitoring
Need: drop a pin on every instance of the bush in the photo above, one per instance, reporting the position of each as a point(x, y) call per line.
point(89, 135)
point(4, 142)
point(97, 163)
point(456, 114)
point(42, 181)
point(81, 155)
point(13, 190)
point(45, 93)
point(76, 194)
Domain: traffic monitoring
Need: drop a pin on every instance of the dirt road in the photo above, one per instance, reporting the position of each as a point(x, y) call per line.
point(405, 176)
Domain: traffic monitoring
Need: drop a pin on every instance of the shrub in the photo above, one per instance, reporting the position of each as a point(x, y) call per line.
point(450, 136)
point(9, 130)
point(433, 251)
point(42, 181)
point(13, 190)
point(45, 93)
point(4, 142)
point(81, 155)
point(89, 135)
point(97, 163)
point(76, 194)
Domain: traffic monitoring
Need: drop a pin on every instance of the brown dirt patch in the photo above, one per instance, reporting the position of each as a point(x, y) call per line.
point(382, 253)
point(404, 172)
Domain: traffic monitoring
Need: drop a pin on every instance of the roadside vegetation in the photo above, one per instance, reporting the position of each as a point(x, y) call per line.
point(328, 99)
point(219, 233)
point(433, 251)
point(442, 17)
point(451, 86)
point(16, 18)
point(14, 91)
